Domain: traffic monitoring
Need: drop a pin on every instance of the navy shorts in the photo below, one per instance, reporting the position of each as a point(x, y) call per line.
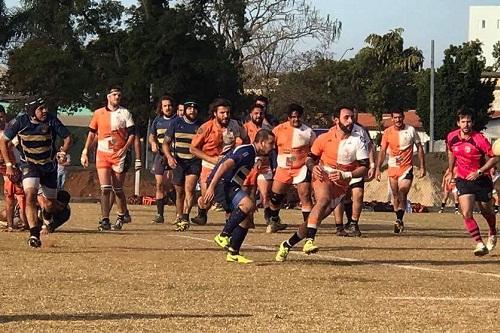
point(160, 165)
point(228, 195)
point(358, 184)
point(185, 168)
point(40, 176)
point(481, 188)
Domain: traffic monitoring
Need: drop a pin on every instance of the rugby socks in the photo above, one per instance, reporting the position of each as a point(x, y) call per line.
point(160, 206)
point(473, 229)
point(400, 214)
point(492, 224)
point(456, 207)
point(237, 238)
point(35, 231)
point(236, 217)
point(293, 240)
point(185, 217)
point(305, 215)
point(172, 196)
point(443, 204)
point(202, 212)
point(348, 211)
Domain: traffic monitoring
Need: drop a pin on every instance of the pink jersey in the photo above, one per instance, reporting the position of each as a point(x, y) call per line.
point(470, 154)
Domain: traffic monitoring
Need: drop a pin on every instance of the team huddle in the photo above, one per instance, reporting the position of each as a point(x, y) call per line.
point(237, 165)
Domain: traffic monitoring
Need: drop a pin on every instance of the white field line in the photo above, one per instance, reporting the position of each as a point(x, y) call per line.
point(446, 299)
point(346, 259)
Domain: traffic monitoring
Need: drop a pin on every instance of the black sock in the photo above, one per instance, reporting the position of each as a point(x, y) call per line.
point(305, 215)
point(442, 205)
point(311, 232)
point(35, 231)
point(185, 217)
point(348, 210)
point(339, 226)
point(267, 213)
point(273, 213)
point(354, 222)
point(202, 212)
point(456, 206)
point(160, 206)
point(293, 240)
point(172, 196)
point(46, 215)
point(237, 238)
point(400, 214)
point(236, 217)
point(496, 206)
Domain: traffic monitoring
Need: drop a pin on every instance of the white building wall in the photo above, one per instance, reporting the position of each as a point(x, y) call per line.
point(484, 24)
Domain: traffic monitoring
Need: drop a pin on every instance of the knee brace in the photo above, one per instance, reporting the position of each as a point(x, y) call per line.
point(106, 189)
point(276, 198)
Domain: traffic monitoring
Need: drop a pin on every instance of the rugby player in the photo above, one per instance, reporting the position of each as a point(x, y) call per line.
point(449, 188)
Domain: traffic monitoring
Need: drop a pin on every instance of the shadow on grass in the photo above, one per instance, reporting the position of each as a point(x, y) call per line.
point(414, 263)
point(112, 316)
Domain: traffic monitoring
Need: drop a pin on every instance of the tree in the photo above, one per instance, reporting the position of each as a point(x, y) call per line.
point(458, 83)
point(496, 55)
point(264, 33)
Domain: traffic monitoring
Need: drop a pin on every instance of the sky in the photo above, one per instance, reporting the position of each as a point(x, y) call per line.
point(445, 21)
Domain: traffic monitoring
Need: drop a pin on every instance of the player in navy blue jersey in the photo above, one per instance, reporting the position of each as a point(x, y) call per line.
point(161, 170)
point(225, 187)
point(186, 167)
point(37, 131)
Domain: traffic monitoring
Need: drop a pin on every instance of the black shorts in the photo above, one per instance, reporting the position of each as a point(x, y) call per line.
point(481, 188)
point(160, 165)
point(228, 195)
point(358, 184)
point(46, 173)
point(128, 161)
point(184, 168)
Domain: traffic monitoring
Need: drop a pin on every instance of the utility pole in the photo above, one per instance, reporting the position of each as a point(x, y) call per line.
point(431, 104)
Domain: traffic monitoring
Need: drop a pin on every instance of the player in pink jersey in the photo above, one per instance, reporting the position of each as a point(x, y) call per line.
point(471, 153)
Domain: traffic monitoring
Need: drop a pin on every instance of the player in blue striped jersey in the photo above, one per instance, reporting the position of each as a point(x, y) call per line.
point(225, 187)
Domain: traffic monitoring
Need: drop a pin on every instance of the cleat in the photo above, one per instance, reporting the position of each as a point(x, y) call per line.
point(222, 241)
point(104, 225)
point(282, 253)
point(310, 247)
point(441, 211)
point(158, 219)
point(182, 225)
point(457, 212)
point(34, 242)
point(127, 218)
point(237, 258)
point(480, 250)
point(491, 243)
point(199, 220)
point(275, 225)
point(340, 232)
point(355, 232)
point(118, 224)
point(399, 227)
point(348, 226)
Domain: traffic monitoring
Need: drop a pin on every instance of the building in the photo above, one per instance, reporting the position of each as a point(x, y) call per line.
point(484, 25)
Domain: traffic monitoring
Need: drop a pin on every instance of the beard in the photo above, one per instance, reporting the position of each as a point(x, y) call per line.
point(190, 117)
point(346, 129)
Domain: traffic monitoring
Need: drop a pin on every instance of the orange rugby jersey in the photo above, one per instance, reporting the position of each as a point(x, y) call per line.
point(400, 144)
point(252, 130)
point(293, 144)
point(215, 140)
point(111, 128)
point(339, 154)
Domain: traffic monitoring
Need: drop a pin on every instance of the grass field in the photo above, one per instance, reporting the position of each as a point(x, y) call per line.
point(149, 278)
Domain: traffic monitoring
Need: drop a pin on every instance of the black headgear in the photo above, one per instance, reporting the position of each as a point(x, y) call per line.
point(190, 103)
point(32, 105)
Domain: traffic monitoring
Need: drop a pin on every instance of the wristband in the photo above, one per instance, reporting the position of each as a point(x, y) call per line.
point(479, 172)
point(8, 164)
point(346, 174)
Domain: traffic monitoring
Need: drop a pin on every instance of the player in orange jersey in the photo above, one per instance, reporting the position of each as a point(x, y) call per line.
point(293, 140)
point(261, 176)
point(449, 187)
point(399, 140)
point(336, 157)
point(213, 139)
point(115, 131)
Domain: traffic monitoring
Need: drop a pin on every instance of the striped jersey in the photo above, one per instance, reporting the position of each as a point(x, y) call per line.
point(244, 159)
point(181, 131)
point(37, 140)
point(160, 126)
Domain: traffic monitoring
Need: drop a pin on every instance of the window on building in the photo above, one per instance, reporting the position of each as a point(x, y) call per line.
point(498, 24)
point(483, 24)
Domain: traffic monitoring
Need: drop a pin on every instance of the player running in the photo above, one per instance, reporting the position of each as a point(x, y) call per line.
point(37, 131)
point(225, 187)
point(471, 153)
point(336, 157)
point(449, 187)
point(399, 139)
point(293, 140)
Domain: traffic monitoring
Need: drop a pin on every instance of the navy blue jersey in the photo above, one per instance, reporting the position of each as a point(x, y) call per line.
point(244, 159)
point(37, 140)
point(181, 131)
point(159, 127)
